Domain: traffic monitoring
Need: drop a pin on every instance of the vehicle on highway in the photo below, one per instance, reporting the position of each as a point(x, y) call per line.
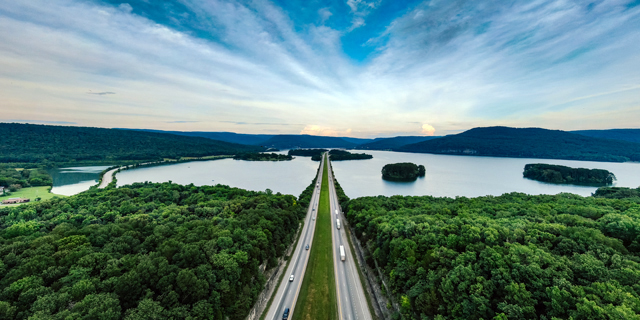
point(343, 256)
point(307, 247)
point(338, 223)
point(286, 314)
point(291, 278)
point(336, 211)
point(314, 217)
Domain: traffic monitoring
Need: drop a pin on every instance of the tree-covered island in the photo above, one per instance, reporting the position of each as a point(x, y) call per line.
point(262, 157)
point(566, 175)
point(404, 171)
point(340, 155)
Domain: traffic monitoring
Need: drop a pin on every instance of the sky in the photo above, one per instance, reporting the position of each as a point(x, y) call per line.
point(358, 68)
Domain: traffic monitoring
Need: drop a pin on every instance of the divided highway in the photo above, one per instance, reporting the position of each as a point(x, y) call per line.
point(352, 302)
point(287, 292)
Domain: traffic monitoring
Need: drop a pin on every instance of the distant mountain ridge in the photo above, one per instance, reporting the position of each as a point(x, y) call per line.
point(280, 141)
point(529, 143)
point(393, 143)
point(630, 135)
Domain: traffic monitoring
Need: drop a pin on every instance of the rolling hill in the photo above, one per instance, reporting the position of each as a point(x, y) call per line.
point(529, 143)
point(44, 143)
point(630, 135)
point(393, 143)
point(306, 141)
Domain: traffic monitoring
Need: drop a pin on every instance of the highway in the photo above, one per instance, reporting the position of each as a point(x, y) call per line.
point(287, 292)
point(352, 303)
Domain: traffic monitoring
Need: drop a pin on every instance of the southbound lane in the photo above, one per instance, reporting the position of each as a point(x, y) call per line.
point(352, 303)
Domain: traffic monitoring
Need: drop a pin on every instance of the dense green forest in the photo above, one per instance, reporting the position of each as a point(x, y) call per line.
point(509, 257)
point(50, 145)
point(563, 174)
point(340, 155)
point(256, 156)
point(307, 152)
point(617, 193)
point(403, 171)
point(529, 143)
point(145, 251)
point(10, 177)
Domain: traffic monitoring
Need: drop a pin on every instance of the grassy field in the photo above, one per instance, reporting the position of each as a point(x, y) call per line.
point(317, 299)
point(32, 193)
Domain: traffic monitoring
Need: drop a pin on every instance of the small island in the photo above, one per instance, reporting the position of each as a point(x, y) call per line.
point(566, 175)
point(262, 157)
point(341, 155)
point(404, 171)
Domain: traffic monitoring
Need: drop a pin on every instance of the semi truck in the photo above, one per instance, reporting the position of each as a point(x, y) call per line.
point(342, 255)
point(338, 223)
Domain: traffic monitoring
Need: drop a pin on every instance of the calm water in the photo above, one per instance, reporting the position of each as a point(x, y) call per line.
point(446, 175)
point(467, 176)
point(288, 177)
point(70, 181)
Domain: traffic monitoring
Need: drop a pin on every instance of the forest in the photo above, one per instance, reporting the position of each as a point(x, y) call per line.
point(256, 156)
point(340, 155)
point(529, 143)
point(404, 171)
point(13, 179)
point(307, 152)
point(145, 251)
point(567, 175)
point(55, 145)
point(514, 256)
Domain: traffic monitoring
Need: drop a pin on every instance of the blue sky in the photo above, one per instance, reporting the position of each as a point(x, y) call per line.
point(361, 68)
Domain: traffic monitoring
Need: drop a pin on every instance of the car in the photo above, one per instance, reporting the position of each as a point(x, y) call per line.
point(307, 247)
point(285, 316)
point(291, 278)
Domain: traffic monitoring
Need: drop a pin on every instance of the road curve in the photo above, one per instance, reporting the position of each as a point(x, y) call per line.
point(287, 292)
point(108, 177)
point(352, 302)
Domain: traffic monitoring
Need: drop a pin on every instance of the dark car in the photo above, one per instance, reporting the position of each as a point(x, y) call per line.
point(307, 247)
point(286, 314)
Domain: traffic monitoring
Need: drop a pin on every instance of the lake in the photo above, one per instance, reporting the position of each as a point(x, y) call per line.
point(448, 176)
point(73, 180)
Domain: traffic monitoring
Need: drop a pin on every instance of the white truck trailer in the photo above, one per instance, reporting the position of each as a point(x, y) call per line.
point(343, 256)
point(338, 223)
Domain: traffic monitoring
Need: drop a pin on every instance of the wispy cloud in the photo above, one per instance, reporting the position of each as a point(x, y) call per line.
point(39, 121)
point(451, 64)
point(182, 121)
point(101, 93)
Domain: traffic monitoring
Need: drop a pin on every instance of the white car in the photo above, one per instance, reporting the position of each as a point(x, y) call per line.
point(291, 278)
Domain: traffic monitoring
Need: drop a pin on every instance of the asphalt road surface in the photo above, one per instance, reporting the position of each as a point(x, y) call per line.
point(352, 303)
point(287, 292)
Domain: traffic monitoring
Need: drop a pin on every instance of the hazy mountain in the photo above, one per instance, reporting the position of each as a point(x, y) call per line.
point(242, 138)
point(631, 135)
point(393, 143)
point(529, 143)
point(306, 141)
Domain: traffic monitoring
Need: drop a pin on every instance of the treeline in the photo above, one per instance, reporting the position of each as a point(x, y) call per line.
point(15, 179)
point(340, 155)
point(145, 251)
point(510, 257)
point(403, 171)
point(255, 156)
point(617, 193)
point(52, 145)
point(563, 174)
point(307, 152)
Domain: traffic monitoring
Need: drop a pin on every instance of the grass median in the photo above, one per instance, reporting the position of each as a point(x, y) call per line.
point(317, 298)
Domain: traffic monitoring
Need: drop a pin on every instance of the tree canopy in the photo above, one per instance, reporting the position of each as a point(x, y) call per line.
point(509, 257)
point(256, 156)
point(145, 251)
